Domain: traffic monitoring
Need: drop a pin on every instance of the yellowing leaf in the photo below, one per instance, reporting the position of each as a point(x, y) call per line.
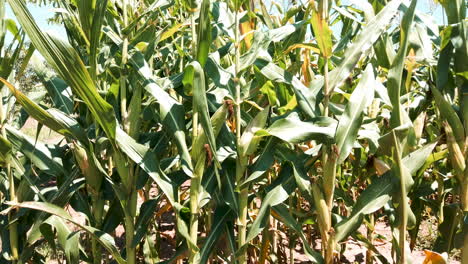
point(463, 74)
point(302, 46)
point(410, 65)
point(305, 69)
point(434, 257)
point(289, 106)
point(380, 166)
point(247, 30)
point(141, 46)
point(322, 34)
point(170, 32)
point(269, 90)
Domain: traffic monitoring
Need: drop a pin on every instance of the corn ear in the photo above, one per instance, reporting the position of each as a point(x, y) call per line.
point(88, 167)
point(456, 155)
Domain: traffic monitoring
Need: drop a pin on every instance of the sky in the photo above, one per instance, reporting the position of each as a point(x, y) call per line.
point(40, 14)
point(428, 7)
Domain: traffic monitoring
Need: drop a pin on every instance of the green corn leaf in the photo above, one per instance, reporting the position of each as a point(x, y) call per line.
point(229, 194)
point(387, 140)
point(195, 78)
point(103, 238)
point(261, 42)
point(172, 112)
point(297, 160)
point(286, 218)
point(204, 33)
point(53, 119)
point(68, 240)
point(11, 55)
point(379, 192)
point(277, 193)
point(351, 119)
point(218, 120)
point(445, 240)
point(98, 11)
point(305, 97)
point(147, 161)
point(49, 236)
point(301, 177)
point(420, 158)
point(25, 62)
point(13, 28)
point(374, 197)
point(71, 127)
point(39, 154)
point(264, 162)
point(70, 186)
point(370, 246)
point(72, 21)
point(182, 228)
point(143, 157)
point(57, 89)
point(449, 114)
point(384, 51)
point(269, 90)
point(291, 129)
point(249, 140)
point(146, 214)
point(221, 215)
point(85, 8)
point(134, 111)
point(416, 159)
point(67, 63)
point(405, 182)
point(150, 252)
point(5, 149)
point(396, 70)
point(362, 43)
point(41, 115)
point(454, 9)
point(173, 116)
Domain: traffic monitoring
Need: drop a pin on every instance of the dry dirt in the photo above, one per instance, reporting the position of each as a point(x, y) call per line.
point(46, 135)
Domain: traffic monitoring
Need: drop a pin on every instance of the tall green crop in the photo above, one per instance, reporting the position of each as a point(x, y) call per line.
point(247, 129)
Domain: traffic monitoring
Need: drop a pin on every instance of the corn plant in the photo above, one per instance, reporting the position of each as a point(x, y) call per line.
point(449, 77)
point(240, 123)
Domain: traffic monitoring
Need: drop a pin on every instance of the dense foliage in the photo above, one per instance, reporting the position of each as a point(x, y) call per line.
point(238, 122)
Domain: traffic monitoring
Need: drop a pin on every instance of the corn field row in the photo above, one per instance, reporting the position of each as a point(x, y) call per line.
point(245, 124)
